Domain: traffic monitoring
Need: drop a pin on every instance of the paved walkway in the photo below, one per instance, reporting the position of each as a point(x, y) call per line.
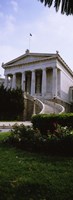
point(10, 124)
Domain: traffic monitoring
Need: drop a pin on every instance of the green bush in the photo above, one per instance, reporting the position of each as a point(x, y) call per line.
point(11, 104)
point(45, 122)
point(58, 143)
point(25, 137)
point(22, 132)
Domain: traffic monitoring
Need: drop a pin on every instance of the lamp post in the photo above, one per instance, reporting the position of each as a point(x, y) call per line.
point(54, 103)
point(34, 110)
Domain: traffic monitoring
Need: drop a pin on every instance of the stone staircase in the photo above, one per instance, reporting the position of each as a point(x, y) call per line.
point(52, 107)
point(46, 106)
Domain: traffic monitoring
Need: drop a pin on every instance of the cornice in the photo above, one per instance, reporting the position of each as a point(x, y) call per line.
point(44, 57)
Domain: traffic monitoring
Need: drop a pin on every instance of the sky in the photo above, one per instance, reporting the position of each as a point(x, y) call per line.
point(50, 31)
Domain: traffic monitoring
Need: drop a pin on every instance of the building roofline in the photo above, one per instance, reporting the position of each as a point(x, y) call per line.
point(28, 54)
point(48, 56)
point(35, 61)
point(65, 64)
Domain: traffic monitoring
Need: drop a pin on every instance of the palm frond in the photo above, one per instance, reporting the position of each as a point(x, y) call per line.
point(66, 5)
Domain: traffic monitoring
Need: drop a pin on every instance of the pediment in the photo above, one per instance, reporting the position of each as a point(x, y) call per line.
point(27, 59)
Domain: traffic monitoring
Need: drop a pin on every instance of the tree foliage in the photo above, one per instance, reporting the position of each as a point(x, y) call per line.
point(11, 103)
point(66, 5)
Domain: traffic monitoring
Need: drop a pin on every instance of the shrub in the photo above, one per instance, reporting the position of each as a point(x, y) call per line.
point(45, 122)
point(11, 104)
point(58, 143)
point(25, 137)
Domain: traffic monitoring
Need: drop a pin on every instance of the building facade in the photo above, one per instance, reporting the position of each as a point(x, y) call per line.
point(42, 75)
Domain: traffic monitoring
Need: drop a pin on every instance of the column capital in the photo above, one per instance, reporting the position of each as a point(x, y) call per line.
point(33, 70)
point(44, 69)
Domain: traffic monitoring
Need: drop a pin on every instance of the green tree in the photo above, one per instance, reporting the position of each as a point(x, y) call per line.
point(11, 104)
point(66, 5)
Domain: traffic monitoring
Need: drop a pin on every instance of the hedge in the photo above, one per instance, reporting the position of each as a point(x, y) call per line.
point(45, 122)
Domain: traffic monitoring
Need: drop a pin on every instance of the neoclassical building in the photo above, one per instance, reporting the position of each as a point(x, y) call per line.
point(43, 75)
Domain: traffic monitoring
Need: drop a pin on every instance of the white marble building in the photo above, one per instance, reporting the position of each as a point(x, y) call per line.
point(41, 75)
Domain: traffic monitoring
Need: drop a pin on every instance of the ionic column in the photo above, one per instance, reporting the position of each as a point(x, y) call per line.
point(23, 81)
point(6, 81)
point(55, 82)
point(44, 82)
point(59, 83)
point(33, 83)
point(14, 81)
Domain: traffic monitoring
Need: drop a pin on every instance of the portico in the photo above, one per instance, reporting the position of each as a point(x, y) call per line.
point(38, 82)
point(40, 75)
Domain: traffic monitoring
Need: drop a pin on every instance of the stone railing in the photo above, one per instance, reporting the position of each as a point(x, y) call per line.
point(60, 108)
point(42, 106)
point(54, 107)
point(38, 105)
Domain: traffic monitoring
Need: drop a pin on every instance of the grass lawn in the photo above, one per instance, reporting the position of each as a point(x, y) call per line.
point(28, 176)
point(4, 135)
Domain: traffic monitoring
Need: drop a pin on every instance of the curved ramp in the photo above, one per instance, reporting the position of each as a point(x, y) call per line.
point(46, 106)
point(52, 107)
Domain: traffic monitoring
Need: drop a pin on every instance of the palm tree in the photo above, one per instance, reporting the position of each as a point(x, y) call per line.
point(66, 5)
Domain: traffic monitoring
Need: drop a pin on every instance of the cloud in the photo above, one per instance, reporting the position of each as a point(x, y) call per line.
point(51, 31)
point(14, 5)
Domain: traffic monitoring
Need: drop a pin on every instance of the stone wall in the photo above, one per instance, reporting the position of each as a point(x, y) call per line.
point(29, 108)
point(64, 104)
